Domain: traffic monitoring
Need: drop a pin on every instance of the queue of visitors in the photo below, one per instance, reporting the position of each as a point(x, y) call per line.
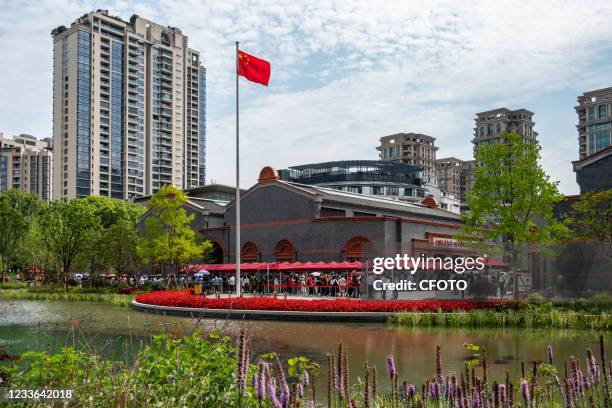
point(313, 284)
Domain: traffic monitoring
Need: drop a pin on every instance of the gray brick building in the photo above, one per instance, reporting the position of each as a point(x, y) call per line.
point(594, 172)
point(285, 221)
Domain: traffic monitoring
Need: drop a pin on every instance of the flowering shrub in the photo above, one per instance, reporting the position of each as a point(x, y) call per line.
point(129, 291)
point(184, 298)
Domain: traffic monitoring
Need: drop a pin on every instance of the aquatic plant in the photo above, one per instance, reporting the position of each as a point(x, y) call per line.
point(506, 317)
point(470, 390)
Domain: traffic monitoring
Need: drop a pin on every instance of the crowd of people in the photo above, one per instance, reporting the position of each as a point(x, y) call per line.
point(306, 284)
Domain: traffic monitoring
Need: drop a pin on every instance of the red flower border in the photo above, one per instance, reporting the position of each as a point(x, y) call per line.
point(185, 298)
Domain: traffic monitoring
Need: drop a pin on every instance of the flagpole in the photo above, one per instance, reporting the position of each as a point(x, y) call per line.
point(237, 184)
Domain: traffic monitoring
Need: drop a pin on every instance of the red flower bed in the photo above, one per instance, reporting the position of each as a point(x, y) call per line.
point(184, 298)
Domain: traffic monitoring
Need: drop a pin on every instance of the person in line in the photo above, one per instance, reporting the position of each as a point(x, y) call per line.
point(310, 283)
point(342, 285)
point(334, 285)
point(246, 284)
point(232, 284)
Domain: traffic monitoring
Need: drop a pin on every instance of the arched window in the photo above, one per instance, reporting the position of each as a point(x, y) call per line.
point(250, 252)
point(217, 254)
point(356, 249)
point(285, 251)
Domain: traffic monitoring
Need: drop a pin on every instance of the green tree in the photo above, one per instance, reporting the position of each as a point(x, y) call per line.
point(118, 247)
point(67, 229)
point(590, 219)
point(17, 211)
point(111, 210)
point(512, 201)
point(168, 236)
point(98, 258)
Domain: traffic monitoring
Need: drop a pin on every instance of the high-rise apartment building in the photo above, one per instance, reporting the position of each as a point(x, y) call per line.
point(594, 121)
point(455, 176)
point(26, 165)
point(411, 148)
point(128, 108)
point(490, 124)
point(468, 177)
point(449, 175)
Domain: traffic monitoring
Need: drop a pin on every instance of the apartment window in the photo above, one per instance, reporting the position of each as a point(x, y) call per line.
point(602, 111)
point(598, 140)
point(489, 130)
point(498, 128)
point(393, 191)
point(83, 113)
point(377, 190)
point(354, 189)
point(482, 131)
point(408, 192)
point(591, 113)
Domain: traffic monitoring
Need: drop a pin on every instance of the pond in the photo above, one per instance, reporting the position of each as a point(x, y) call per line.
point(119, 331)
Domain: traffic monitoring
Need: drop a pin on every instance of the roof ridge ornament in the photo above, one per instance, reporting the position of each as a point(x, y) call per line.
point(268, 174)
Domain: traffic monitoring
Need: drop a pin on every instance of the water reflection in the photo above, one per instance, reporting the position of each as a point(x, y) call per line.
point(119, 331)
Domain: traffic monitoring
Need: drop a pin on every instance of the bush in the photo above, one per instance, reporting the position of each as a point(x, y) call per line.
point(193, 371)
point(13, 285)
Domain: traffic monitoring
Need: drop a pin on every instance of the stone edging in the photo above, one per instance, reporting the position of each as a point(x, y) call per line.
point(264, 314)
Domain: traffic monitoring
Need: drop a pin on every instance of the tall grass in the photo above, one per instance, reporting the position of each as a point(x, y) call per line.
point(13, 285)
point(554, 319)
point(25, 294)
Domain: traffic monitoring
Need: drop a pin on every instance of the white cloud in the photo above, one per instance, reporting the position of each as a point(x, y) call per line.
point(345, 72)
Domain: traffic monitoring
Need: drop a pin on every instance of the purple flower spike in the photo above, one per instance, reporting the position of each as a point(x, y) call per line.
point(525, 391)
point(475, 399)
point(502, 394)
point(300, 390)
point(391, 366)
point(272, 393)
point(410, 391)
point(262, 380)
point(305, 378)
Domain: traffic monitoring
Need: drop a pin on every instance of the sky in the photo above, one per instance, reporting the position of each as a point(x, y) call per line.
point(345, 73)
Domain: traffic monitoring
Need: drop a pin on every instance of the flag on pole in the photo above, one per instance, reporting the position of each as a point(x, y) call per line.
point(253, 68)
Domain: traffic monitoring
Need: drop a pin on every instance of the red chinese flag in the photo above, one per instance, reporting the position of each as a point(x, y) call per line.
point(253, 68)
